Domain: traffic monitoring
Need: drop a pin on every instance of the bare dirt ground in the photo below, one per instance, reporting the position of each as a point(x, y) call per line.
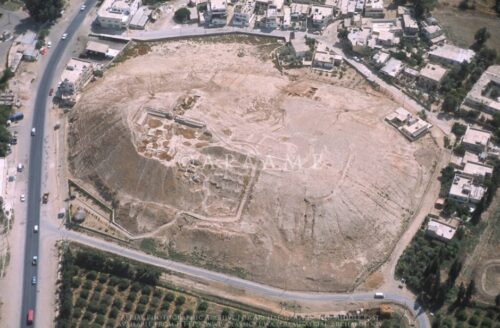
point(292, 179)
point(483, 264)
point(460, 26)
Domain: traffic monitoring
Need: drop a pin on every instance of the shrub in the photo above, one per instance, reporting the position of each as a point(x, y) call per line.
point(174, 319)
point(165, 306)
point(474, 320)
point(93, 306)
point(111, 323)
point(146, 290)
point(77, 312)
point(99, 287)
point(87, 285)
point(103, 278)
point(182, 15)
point(75, 282)
point(113, 313)
point(144, 299)
point(225, 313)
point(88, 316)
point(212, 319)
point(180, 300)
point(461, 315)
point(118, 303)
point(140, 309)
point(486, 323)
point(84, 293)
point(237, 316)
point(106, 299)
point(110, 291)
point(135, 287)
point(132, 296)
point(81, 303)
point(188, 313)
point(91, 275)
point(154, 302)
point(123, 284)
point(157, 293)
point(169, 297)
point(99, 319)
point(202, 306)
point(249, 318)
point(113, 281)
point(128, 306)
point(200, 316)
point(178, 310)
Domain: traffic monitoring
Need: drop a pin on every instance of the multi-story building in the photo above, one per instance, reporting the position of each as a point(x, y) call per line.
point(451, 55)
point(321, 15)
point(216, 14)
point(117, 14)
point(374, 8)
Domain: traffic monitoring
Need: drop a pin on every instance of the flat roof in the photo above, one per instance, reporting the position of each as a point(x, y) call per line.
point(453, 53)
point(441, 229)
point(409, 22)
point(300, 45)
point(217, 4)
point(492, 74)
point(477, 169)
point(141, 17)
point(97, 47)
point(464, 187)
point(381, 57)
point(433, 72)
point(476, 136)
point(393, 67)
point(74, 69)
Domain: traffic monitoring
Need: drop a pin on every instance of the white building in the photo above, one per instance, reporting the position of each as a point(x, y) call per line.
point(325, 58)
point(410, 25)
point(77, 73)
point(411, 127)
point(477, 171)
point(216, 14)
point(476, 140)
point(451, 55)
point(433, 33)
point(374, 8)
point(440, 230)
point(431, 75)
point(392, 68)
point(243, 13)
point(117, 13)
point(485, 94)
point(321, 15)
point(464, 190)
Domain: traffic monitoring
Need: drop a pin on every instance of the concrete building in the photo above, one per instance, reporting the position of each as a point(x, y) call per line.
point(216, 14)
point(476, 140)
point(464, 190)
point(360, 39)
point(77, 73)
point(431, 75)
point(411, 127)
point(477, 171)
point(300, 47)
point(433, 33)
point(451, 55)
point(360, 5)
point(410, 25)
point(140, 18)
point(321, 15)
point(243, 12)
point(325, 58)
point(485, 94)
point(392, 68)
point(299, 11)
point(380, 58)
point(117, 14)
point(374, 8)
point(96, 49)
point(439, 230)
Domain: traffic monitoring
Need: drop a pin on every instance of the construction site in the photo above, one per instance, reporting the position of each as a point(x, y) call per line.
point(288, 178)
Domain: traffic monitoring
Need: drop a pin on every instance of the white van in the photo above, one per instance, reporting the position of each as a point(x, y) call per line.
point(379, 295)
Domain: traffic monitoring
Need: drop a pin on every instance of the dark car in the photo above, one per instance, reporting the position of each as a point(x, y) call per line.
point(51, 92)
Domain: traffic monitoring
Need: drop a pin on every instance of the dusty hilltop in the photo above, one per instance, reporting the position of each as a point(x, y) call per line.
point(207, 148)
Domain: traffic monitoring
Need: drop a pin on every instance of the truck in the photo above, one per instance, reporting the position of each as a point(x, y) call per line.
point(29, 318)
point(45, 198)
point(16, 117)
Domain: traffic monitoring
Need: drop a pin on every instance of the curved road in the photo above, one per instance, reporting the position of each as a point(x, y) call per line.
point(35, 167)
point(33, 218)
point(247, 285)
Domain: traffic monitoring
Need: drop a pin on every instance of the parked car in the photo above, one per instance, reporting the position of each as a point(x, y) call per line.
point(33, 132)
point(64, 36)
point(49, 44)
point(33, 280)
point(13, 141)
point(35, 260)
point(51, 92)
point(20, 167)
point(35, 228)
point(22, 198)
point(82, 8)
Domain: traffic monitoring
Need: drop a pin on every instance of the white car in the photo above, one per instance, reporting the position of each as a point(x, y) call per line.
point(64, 36)
point(35, 260)
point(35, 228)
point(22, 198)
point(82, 8)
point(49, 44)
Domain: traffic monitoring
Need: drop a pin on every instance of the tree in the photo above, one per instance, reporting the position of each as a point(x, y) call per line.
point(471, 289)
point(342, 34)
point(44, 10)
point(182, 15)
point(455, 268)
point(460, 294)
point(450, 103)
point(497, 300)
point(423, 7)
point(482, 35)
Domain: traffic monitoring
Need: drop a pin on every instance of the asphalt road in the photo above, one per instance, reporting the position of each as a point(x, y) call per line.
point(247, 285)
point(35, 167)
